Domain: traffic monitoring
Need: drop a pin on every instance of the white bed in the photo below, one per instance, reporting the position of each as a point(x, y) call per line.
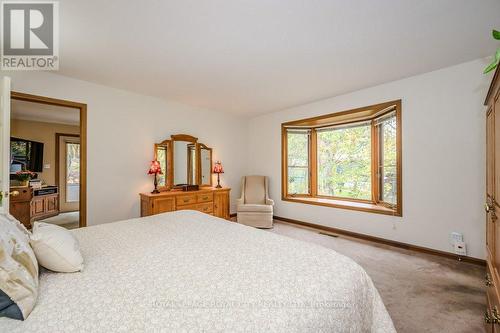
point(188, 271)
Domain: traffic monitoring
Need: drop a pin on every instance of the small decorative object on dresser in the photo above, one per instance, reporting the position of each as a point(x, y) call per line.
point(24, 176)
point(155, 169)
point(213, 201)
point(218, 169)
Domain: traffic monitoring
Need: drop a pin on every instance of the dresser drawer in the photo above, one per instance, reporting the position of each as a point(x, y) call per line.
point(184, 207)
point(182, 200)
point(205, 207)
point(206, 197)
point(209, 201)
point(24, 194)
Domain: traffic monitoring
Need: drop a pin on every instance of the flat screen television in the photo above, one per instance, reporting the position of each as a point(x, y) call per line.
point(25, 155)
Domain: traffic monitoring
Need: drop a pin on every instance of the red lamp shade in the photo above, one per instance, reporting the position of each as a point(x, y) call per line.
point(218, 167)
point(155, 168)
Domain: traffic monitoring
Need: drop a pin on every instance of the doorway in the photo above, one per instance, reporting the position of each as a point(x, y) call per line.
point(68, 171)
point(61, 180)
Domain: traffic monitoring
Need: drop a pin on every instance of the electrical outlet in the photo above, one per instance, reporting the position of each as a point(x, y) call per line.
point(456, 237)
point(460, 248)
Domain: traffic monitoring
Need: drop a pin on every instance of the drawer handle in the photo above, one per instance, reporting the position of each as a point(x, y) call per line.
point(487, 280)
point(186, 200)
point(487, 318)
point(495, 318)
point(205, 198)
point(205, 209)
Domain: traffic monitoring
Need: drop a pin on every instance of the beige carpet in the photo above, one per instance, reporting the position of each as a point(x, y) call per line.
point(423, 293)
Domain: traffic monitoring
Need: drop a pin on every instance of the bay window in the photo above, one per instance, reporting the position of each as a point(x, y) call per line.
point(350, 159)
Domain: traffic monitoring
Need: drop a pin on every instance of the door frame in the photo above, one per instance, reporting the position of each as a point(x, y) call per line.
point(83, 141)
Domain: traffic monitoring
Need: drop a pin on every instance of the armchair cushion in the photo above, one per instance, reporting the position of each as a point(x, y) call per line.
point(255, 208)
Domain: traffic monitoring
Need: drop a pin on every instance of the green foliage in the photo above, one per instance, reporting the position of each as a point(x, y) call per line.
point(496, 34)
point(388, 165)
point(298, 162)
point(161, 156)
point(73, 163)
point(344, 162)
point(496, 60)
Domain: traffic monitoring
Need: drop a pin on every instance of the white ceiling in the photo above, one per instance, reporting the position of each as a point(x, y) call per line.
point(256, 56)
point(44, 113)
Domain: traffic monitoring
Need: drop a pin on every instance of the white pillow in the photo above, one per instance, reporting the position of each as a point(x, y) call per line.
point(18, 271)
point(56, 248)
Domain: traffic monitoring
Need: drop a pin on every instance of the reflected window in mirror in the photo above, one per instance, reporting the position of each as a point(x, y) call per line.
point(206, 165)
point(192, 164)
point(161, 157)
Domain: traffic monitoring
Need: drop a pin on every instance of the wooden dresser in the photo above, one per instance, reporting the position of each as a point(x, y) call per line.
point(213, 201)
point(492, 206)
point(30, 205)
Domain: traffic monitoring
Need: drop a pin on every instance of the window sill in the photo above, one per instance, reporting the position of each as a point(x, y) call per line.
point(352, 205)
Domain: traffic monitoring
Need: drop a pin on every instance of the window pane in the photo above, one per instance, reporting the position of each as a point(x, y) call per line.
point(72, 172)
point(344, 162)
point(298, 180)
point(298, 162)
point(388, 173)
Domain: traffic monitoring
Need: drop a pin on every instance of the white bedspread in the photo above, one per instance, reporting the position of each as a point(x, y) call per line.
point(187, 271)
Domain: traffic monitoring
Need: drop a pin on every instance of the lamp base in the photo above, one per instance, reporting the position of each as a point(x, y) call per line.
point(155, 191)
point(218, 181)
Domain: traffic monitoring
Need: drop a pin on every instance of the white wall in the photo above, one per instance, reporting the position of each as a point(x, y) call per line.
point(443, 158)
point(122, 128)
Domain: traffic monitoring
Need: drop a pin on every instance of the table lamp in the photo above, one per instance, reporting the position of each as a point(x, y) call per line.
point(155, 169)
point(218, 169)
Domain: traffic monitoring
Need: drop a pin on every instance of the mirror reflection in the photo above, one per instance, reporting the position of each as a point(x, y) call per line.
point(161, 156)
point(206, 165)
point(191, 167)
point(184, 163)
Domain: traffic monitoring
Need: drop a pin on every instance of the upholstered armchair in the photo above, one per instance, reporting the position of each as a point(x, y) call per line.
point(254, 208)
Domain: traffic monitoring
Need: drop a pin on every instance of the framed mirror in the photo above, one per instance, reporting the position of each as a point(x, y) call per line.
point(183, 161)
point(205, 165)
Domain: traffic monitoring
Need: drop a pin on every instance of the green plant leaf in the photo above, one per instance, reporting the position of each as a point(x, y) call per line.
point(496, 34)
point(491, 67)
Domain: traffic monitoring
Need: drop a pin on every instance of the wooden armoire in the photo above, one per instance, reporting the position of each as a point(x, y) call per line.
point(492, 206)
